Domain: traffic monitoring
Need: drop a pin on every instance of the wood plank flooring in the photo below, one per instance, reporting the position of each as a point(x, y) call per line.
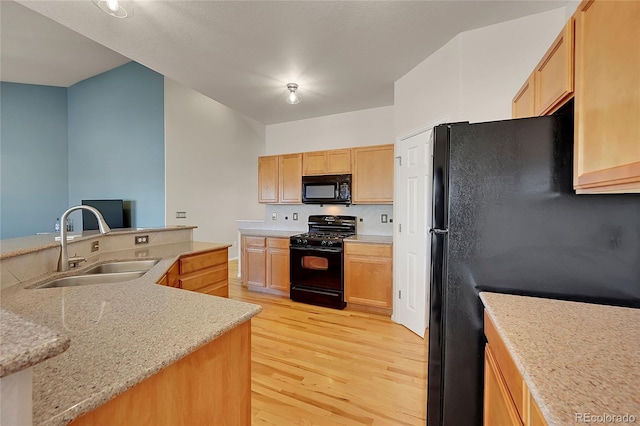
point(320, 366)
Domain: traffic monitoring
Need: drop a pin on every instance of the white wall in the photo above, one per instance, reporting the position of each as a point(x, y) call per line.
point(365, 127)
point(496, 60)
point(475, 76)
point(211, 164)
point(430, 92)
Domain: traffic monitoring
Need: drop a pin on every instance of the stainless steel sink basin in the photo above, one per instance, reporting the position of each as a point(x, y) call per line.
point(126, 266)
point(93, 279)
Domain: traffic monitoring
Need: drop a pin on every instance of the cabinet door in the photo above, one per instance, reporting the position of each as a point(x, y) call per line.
point(268, 179)
point(314, 163)
point(534, 416)
point(255, 266)
point(499, 409)
point(278, 268)
point(553, 77)
point(607, 97)
point(373, 175)
point(290, 176)
point(338, 161)
point(522, 105)
point(368, 278)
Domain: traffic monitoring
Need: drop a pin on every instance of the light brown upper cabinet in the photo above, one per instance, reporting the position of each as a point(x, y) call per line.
point(268, 179)
point(372, 180)
point(553, 77)
point(522, 105)
point(290, 179)
point(551, 84)
point(280, 179)
point(607, 97)
point(333, 162)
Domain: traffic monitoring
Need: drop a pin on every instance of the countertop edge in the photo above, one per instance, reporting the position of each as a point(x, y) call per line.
point(31, 351)
point(90, 235)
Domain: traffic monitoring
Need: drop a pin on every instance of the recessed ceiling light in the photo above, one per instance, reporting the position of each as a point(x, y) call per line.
point(116, 8)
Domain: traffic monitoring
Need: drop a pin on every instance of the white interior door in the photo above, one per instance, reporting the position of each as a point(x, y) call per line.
point(414, 164)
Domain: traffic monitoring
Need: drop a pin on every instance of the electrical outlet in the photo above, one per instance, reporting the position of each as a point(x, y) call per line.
point(181, 215)
point(142, 239)
point(384, 218)
point(295, 216)
point(95, 246)
point(274, 216)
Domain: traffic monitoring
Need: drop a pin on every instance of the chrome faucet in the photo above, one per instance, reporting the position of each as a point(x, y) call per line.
point(63, 263)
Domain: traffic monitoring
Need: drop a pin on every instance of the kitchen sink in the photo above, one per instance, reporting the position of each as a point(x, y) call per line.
point(104, 278)
point(126, 266)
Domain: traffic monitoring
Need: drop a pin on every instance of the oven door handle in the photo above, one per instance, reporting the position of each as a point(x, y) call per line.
point(325, 249)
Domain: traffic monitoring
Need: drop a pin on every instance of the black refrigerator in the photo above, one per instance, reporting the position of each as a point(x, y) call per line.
point(506, 219)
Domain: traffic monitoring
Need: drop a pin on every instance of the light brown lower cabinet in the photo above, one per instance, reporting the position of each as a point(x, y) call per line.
point(211, 386)
point(507, 400)
point(265, 264)
point(368, 277)
point(205, 272)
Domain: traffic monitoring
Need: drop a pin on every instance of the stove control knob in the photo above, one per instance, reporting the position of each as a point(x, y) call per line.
point(330, 243)
point(324, 242)
point(299, 241)
point(305, 242)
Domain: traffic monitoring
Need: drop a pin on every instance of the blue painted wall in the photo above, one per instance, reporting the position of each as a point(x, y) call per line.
point(116, 141)
point(33, 158)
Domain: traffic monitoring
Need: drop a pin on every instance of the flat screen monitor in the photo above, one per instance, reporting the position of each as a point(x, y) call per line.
point(112, 211)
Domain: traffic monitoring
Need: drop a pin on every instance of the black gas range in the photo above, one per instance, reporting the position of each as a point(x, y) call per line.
point(317, 271)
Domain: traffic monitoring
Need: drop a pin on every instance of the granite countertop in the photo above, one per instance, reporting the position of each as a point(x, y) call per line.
point(25, 343)
point(576, 358)
point(18, 246)
point(268, 233)
point(371, 239)
point(120, 333)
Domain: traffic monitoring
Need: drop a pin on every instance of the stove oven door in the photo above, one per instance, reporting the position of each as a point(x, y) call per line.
point(316, 276)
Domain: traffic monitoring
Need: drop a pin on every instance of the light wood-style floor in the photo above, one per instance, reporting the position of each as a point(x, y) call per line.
point(320, 366)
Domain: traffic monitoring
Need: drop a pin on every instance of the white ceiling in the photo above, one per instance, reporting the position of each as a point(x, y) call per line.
point(345, 55)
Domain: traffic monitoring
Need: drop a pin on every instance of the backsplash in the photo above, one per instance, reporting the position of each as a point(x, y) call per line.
point(368, 216)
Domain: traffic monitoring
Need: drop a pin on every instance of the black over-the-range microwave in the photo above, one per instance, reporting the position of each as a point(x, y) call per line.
point(326, 189)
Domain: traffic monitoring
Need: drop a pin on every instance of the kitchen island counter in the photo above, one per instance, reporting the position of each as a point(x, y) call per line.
point(577, 359)
point(120, 333)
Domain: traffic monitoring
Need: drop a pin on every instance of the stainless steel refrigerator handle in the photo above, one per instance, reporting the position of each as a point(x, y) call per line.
point(439, 231)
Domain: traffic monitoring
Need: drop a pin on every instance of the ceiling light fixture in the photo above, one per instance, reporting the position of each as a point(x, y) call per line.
point(292, 97)
point(115, 8)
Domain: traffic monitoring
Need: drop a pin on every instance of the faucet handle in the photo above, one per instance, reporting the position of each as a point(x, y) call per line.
point(75, 260)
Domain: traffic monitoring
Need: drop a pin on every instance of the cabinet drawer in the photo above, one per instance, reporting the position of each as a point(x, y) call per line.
point(220, 289)
point(508, 368)
point(200, 280)
point(197, 262)
point(282, 243)
point(254, 241)
point(378, 250)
